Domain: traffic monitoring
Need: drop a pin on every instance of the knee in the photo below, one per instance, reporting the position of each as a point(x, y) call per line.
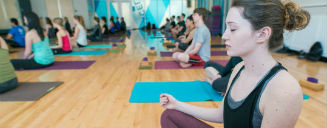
point(167, 116)
point(175, 56)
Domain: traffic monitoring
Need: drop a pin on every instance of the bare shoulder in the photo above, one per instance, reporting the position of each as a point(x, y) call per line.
point(284, 86)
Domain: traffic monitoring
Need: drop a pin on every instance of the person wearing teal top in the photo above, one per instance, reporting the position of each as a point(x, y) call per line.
point(8, 79)
point(38, 53)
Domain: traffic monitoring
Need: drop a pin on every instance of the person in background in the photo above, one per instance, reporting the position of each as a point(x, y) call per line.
point(16, 35)
point(63, 38)
point(104, 28)
point(50, 30)
point(118, 27)
point(122, 24)
point(67, 26)
point(96, 34)
point(79, 37)
point(38, 53)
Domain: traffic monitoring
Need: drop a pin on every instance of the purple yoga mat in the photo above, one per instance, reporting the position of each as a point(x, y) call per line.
point(175, 65)
point(213, 53)
point(64, 65)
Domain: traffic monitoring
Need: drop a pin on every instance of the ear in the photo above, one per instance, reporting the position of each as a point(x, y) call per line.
point(263, 34)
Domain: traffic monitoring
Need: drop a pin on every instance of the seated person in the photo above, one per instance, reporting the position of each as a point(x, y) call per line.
point(219, 75)
point(79, 38)
point(117, 24)
point(199, 51)
point(16, 35)
point(67, 26)
point(63, 43)
point(50, 30)
point(112, 27)
point(172, 23)
point(122, 24)
point(185, 40)
point(165, 27)
point(8, 78)
point(96, 34)
point(104, 29)
point(37, 53)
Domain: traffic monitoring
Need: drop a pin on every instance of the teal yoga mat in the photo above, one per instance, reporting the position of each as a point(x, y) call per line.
point(77, 53)
point(191, 91)
point(98, 46)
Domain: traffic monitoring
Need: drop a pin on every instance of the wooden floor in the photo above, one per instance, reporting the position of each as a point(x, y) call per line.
point(99, 96)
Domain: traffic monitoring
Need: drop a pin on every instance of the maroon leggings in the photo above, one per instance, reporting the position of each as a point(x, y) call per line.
point(176, 119)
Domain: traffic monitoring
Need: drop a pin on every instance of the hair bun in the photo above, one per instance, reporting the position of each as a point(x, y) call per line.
point(295, 17)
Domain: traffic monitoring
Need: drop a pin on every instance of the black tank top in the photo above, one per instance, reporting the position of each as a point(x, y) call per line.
point(241, 117)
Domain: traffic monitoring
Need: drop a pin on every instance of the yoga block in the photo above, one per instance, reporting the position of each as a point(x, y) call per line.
point(311, 85)
point(146, 65)
point(152, 53)
point(122, 46)
point(114, 50)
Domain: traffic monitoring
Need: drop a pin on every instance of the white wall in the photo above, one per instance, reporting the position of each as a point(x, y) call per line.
point(315, 31)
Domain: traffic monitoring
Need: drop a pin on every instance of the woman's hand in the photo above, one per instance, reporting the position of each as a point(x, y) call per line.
point(168, 101)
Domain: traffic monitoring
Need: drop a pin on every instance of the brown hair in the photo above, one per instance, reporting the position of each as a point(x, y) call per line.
point(97, 19)
point(202, 12)
point(59, 21)
point(80, 20)
point(272, 13)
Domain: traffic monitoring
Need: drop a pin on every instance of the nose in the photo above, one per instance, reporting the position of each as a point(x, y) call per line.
point(225, 35)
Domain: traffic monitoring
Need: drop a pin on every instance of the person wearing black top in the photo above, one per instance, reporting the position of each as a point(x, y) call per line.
point(50, 30)
point(122, 24)
point(67, 26)
point(104, 29)
point(172, 23)
point(96, 34)
point(260, 92)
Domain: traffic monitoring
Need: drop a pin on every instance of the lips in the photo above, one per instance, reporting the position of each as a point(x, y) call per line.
point(228, 46)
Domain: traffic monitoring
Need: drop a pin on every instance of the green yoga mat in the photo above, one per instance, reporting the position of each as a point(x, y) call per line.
point(29, 91)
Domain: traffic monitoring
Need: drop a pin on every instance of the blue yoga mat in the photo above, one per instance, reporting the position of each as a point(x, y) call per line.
point(98, 46)
point(192, 91)
point(76, 53)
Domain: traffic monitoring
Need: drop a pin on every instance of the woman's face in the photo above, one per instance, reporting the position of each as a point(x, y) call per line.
point(239, 36)
point(55, 25)
point(25, 20)
point(75, 21)
point(188, 23)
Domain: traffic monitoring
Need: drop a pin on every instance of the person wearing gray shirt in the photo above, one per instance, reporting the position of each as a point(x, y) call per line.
point(199, 51)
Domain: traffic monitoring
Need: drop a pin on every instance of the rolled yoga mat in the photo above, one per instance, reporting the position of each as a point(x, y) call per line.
point(65, 65)
point(190, 91)
point(213, 53)
point(80, 53)
point(174, 65)
point(29, 91)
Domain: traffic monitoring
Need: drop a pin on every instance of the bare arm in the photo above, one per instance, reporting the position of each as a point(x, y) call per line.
point(9, 36)
point(196, 49)
point(59, 45)
point(282, 102)
point(77, 31)
point(189, 38)
point(28, 46)
point(3, 44)
point(209, 114)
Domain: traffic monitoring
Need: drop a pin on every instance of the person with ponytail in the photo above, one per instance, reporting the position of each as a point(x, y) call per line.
point(79, 37)
point(37, 53)
point(63, 41)
point(260, 91)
